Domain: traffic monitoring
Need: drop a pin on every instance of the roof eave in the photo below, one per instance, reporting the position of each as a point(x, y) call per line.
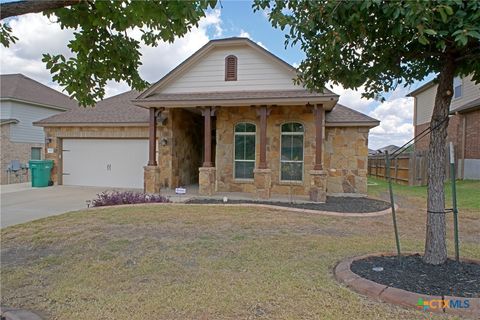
point(329, 102)
point(34, 103)
point(90, 124)
point(369, 124)
point(422, 88)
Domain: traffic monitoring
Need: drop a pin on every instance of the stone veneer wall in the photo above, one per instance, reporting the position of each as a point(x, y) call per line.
point(226, 120)
point(14, 151)
point(187, 144)
point(58, 133)
point(345, 160)
point(345, 152)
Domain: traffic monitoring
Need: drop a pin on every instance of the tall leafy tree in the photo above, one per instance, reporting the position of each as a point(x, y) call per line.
point(102, 47)
point(381, 44)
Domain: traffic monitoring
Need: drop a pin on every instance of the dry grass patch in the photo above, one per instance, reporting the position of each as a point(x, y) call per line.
point(196, 262)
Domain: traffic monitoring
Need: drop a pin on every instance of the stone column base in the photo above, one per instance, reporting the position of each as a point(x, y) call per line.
point(206, 181)
point(151, 179)
point(318, 185)
point(263, 182)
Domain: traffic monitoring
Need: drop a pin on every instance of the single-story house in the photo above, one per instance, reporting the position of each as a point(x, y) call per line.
point(229, 118)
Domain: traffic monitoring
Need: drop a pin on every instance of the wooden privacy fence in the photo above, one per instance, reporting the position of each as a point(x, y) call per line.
point(407, 168)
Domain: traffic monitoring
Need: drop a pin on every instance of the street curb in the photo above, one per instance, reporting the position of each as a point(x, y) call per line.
point(383, 293)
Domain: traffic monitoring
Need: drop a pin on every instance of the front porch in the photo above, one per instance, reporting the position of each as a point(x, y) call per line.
point(220, 158)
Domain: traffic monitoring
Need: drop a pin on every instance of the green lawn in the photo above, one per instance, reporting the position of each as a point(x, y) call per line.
point(468, 192)
point(198, 262)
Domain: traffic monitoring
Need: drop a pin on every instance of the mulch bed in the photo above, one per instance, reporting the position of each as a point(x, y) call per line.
point(335, 204)
point(410, 273)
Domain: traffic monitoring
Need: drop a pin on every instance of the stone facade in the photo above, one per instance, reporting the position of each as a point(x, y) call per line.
point(151, 179)
point(345, 153)
point(180, 153)
point(187, 143)
point(14, 151)
point(345, 160)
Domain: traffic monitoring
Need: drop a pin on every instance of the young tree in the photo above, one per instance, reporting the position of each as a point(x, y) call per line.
point(382, 44)
point(102, 48)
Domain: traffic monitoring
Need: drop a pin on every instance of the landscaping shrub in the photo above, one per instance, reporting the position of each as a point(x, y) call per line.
point(113, 198)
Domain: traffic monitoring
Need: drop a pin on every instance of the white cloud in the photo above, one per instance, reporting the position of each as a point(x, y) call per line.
point(245, 34)
point(38, 35)
point(351, 98)
point(396, 123)
point(395, 114)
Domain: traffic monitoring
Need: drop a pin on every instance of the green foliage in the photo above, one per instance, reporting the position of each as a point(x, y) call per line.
point(103, 47)
point(6, 37)
point(379, 44)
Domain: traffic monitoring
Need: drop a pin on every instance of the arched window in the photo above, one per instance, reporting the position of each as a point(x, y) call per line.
point(291, 158)
point(244, 160)
point(231, 68)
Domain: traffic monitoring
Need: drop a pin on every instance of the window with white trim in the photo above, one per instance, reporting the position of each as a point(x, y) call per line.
point(291, 158)
point(244, 161)
point(457, 87)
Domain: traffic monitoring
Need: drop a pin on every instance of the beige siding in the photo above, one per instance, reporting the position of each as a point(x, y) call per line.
point(426, 99)
point(255, 72)
point(471, 91)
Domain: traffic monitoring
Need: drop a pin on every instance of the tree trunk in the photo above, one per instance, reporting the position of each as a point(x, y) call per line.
point(435, 240)
point(17, 8)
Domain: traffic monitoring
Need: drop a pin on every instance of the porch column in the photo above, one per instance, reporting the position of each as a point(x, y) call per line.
point(319, 112)
point(262, 175)
point(318, 177)
point(206, 176)
point(152, 138)
point(262, 112)
point(151, 173)
point(207, 158)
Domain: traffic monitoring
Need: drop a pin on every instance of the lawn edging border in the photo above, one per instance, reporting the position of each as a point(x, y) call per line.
point(382, 293)
point(258, 205)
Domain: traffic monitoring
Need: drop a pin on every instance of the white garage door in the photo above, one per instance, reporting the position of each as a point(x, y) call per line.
point(104, 162)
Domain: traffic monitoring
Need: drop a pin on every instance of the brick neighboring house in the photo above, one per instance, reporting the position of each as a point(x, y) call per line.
point(464, 123)
point(23, 101)
point(229, 119)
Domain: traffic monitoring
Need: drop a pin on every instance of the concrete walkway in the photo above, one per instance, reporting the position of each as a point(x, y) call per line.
point(21, 203)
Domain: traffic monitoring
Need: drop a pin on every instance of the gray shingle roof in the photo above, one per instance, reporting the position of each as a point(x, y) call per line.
point(117, 109)
point(20, 87)
point(120, 109)
point(342, 114)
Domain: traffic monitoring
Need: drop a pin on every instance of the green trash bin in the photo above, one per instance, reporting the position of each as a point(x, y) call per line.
point(40, 172)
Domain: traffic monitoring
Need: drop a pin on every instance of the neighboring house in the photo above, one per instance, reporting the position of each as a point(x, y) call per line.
point(464, 123)
point(390, 148)
point(230, 119)
point(23, 101)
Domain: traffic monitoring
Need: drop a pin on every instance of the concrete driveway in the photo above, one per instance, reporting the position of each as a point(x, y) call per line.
point(21, 203)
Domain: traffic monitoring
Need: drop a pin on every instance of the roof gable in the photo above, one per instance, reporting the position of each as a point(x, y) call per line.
point(22, 88)
point(204, 71)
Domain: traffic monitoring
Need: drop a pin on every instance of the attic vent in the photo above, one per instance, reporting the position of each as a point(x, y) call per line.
point(231, 68)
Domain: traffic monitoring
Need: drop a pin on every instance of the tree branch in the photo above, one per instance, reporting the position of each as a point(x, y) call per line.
point(17, 8)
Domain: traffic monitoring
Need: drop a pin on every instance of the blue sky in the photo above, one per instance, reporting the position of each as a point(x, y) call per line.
point(39, 35)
